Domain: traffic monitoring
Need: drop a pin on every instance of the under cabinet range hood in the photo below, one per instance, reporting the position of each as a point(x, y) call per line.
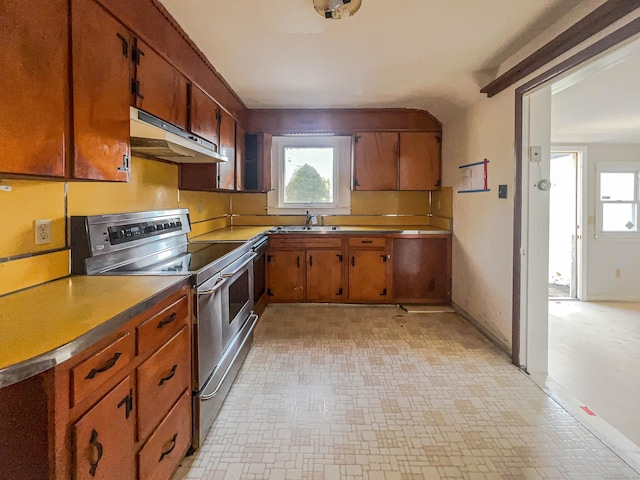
point(155, 138)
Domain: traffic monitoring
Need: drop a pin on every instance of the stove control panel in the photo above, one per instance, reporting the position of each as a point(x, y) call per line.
point(135, 231)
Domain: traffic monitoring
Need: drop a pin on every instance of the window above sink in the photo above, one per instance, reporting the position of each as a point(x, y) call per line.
point(310, 172)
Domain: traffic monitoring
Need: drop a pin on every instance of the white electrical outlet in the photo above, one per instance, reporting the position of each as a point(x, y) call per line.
point(43, 231)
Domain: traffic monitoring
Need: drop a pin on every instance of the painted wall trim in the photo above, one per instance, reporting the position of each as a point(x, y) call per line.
point(602, 45)
point(503, 347)
point(599, 19)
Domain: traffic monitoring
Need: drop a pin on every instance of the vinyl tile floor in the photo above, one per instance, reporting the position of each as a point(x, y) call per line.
point(359, 392)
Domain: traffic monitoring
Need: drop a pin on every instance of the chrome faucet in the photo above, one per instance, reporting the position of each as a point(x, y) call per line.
point(307, 222)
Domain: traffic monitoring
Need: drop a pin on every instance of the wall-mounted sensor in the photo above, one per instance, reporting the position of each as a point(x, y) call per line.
point(502, 191)
point(544, 185)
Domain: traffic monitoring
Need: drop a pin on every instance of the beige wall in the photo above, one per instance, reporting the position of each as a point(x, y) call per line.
point(483, 225)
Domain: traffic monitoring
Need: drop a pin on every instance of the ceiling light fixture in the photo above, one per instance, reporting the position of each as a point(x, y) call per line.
point(336, 9)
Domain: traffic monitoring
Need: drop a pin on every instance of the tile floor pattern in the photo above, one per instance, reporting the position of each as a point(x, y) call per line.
point(355, 392)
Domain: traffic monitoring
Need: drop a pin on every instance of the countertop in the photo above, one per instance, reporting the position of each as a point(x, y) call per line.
point(248, 232)
point(45, 325)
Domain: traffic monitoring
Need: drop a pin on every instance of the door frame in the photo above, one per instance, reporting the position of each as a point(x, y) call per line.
point(580, 279)
point(519, 318)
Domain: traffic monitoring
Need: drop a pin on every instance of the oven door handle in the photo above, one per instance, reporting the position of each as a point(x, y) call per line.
point(218, 285)
point(241, 267)
point(253, 317)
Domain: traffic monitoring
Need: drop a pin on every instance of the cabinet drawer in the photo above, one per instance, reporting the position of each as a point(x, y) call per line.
point(162, 326)
point(162, 379)
point(305, 241)
point(367, 241)
point(98, 368)
point(164, 449)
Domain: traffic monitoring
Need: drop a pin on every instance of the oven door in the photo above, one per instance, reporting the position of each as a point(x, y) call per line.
point(237, 296)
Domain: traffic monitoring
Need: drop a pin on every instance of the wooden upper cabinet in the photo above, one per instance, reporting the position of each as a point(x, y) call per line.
point(227, 170)
point(376, 161)
point(161, 90)
point(34, 86)
point(240, 157)
point(420, 162)
point(204, 116)
point(101, 69)
point(257, 162)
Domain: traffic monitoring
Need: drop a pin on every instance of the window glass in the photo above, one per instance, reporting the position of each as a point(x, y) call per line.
point(617, 186)
point(308, 175)
point(619, 217)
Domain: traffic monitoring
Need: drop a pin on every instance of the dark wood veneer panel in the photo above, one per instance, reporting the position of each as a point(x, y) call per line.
point(340, 121)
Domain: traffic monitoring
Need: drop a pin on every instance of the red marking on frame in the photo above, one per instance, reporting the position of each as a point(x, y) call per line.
point(588, 411)
point(485, 174)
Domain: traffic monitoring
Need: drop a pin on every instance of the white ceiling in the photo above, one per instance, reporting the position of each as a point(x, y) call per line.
point(599, 103)
point(429, 54)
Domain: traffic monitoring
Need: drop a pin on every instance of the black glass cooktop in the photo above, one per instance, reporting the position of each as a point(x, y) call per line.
point(189, 258)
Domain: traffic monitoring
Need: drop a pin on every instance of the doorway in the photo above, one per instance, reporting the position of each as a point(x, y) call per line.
point(564, 225)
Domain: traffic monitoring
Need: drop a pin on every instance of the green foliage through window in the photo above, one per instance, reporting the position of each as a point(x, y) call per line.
point(307, 186)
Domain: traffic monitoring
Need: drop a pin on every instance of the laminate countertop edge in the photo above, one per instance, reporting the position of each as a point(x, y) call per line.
point(30, 367)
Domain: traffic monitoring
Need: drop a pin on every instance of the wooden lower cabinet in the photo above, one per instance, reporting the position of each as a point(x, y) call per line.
point(110, 411)
point(368, 276)
point(422, 269)
point(285, 275)
point(165, 448)
point(324, 275)
point(105, 437)
point(306, 268)
point(359, 268)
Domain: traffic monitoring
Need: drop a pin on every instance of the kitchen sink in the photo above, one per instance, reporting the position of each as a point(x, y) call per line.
point(303, 229)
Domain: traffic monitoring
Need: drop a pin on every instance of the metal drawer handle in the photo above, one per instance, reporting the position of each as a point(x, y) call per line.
point(93, 441)
point(219, 283)
point(167, 320)
point(110, 363)
point(167, 452)
point(367, 241)
point(163, 380)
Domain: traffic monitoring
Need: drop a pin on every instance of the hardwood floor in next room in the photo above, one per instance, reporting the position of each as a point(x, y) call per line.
point(360, 392)
point(594, 353)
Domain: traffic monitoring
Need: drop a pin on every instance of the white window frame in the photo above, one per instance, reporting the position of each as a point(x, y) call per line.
point(616, 167)
point(341, 175)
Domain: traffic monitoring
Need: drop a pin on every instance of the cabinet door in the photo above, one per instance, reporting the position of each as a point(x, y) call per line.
point(367, 276)
point(420, 162)
point(227, 170)
point(101, 93)
point(376, 161)
point(162, 90)
point(285, 275)
point(104, 437)
point(34, 86)
point(324, 275)
point(257, 162)
point(422, 270)
point(240, 157)
point(204, 116)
